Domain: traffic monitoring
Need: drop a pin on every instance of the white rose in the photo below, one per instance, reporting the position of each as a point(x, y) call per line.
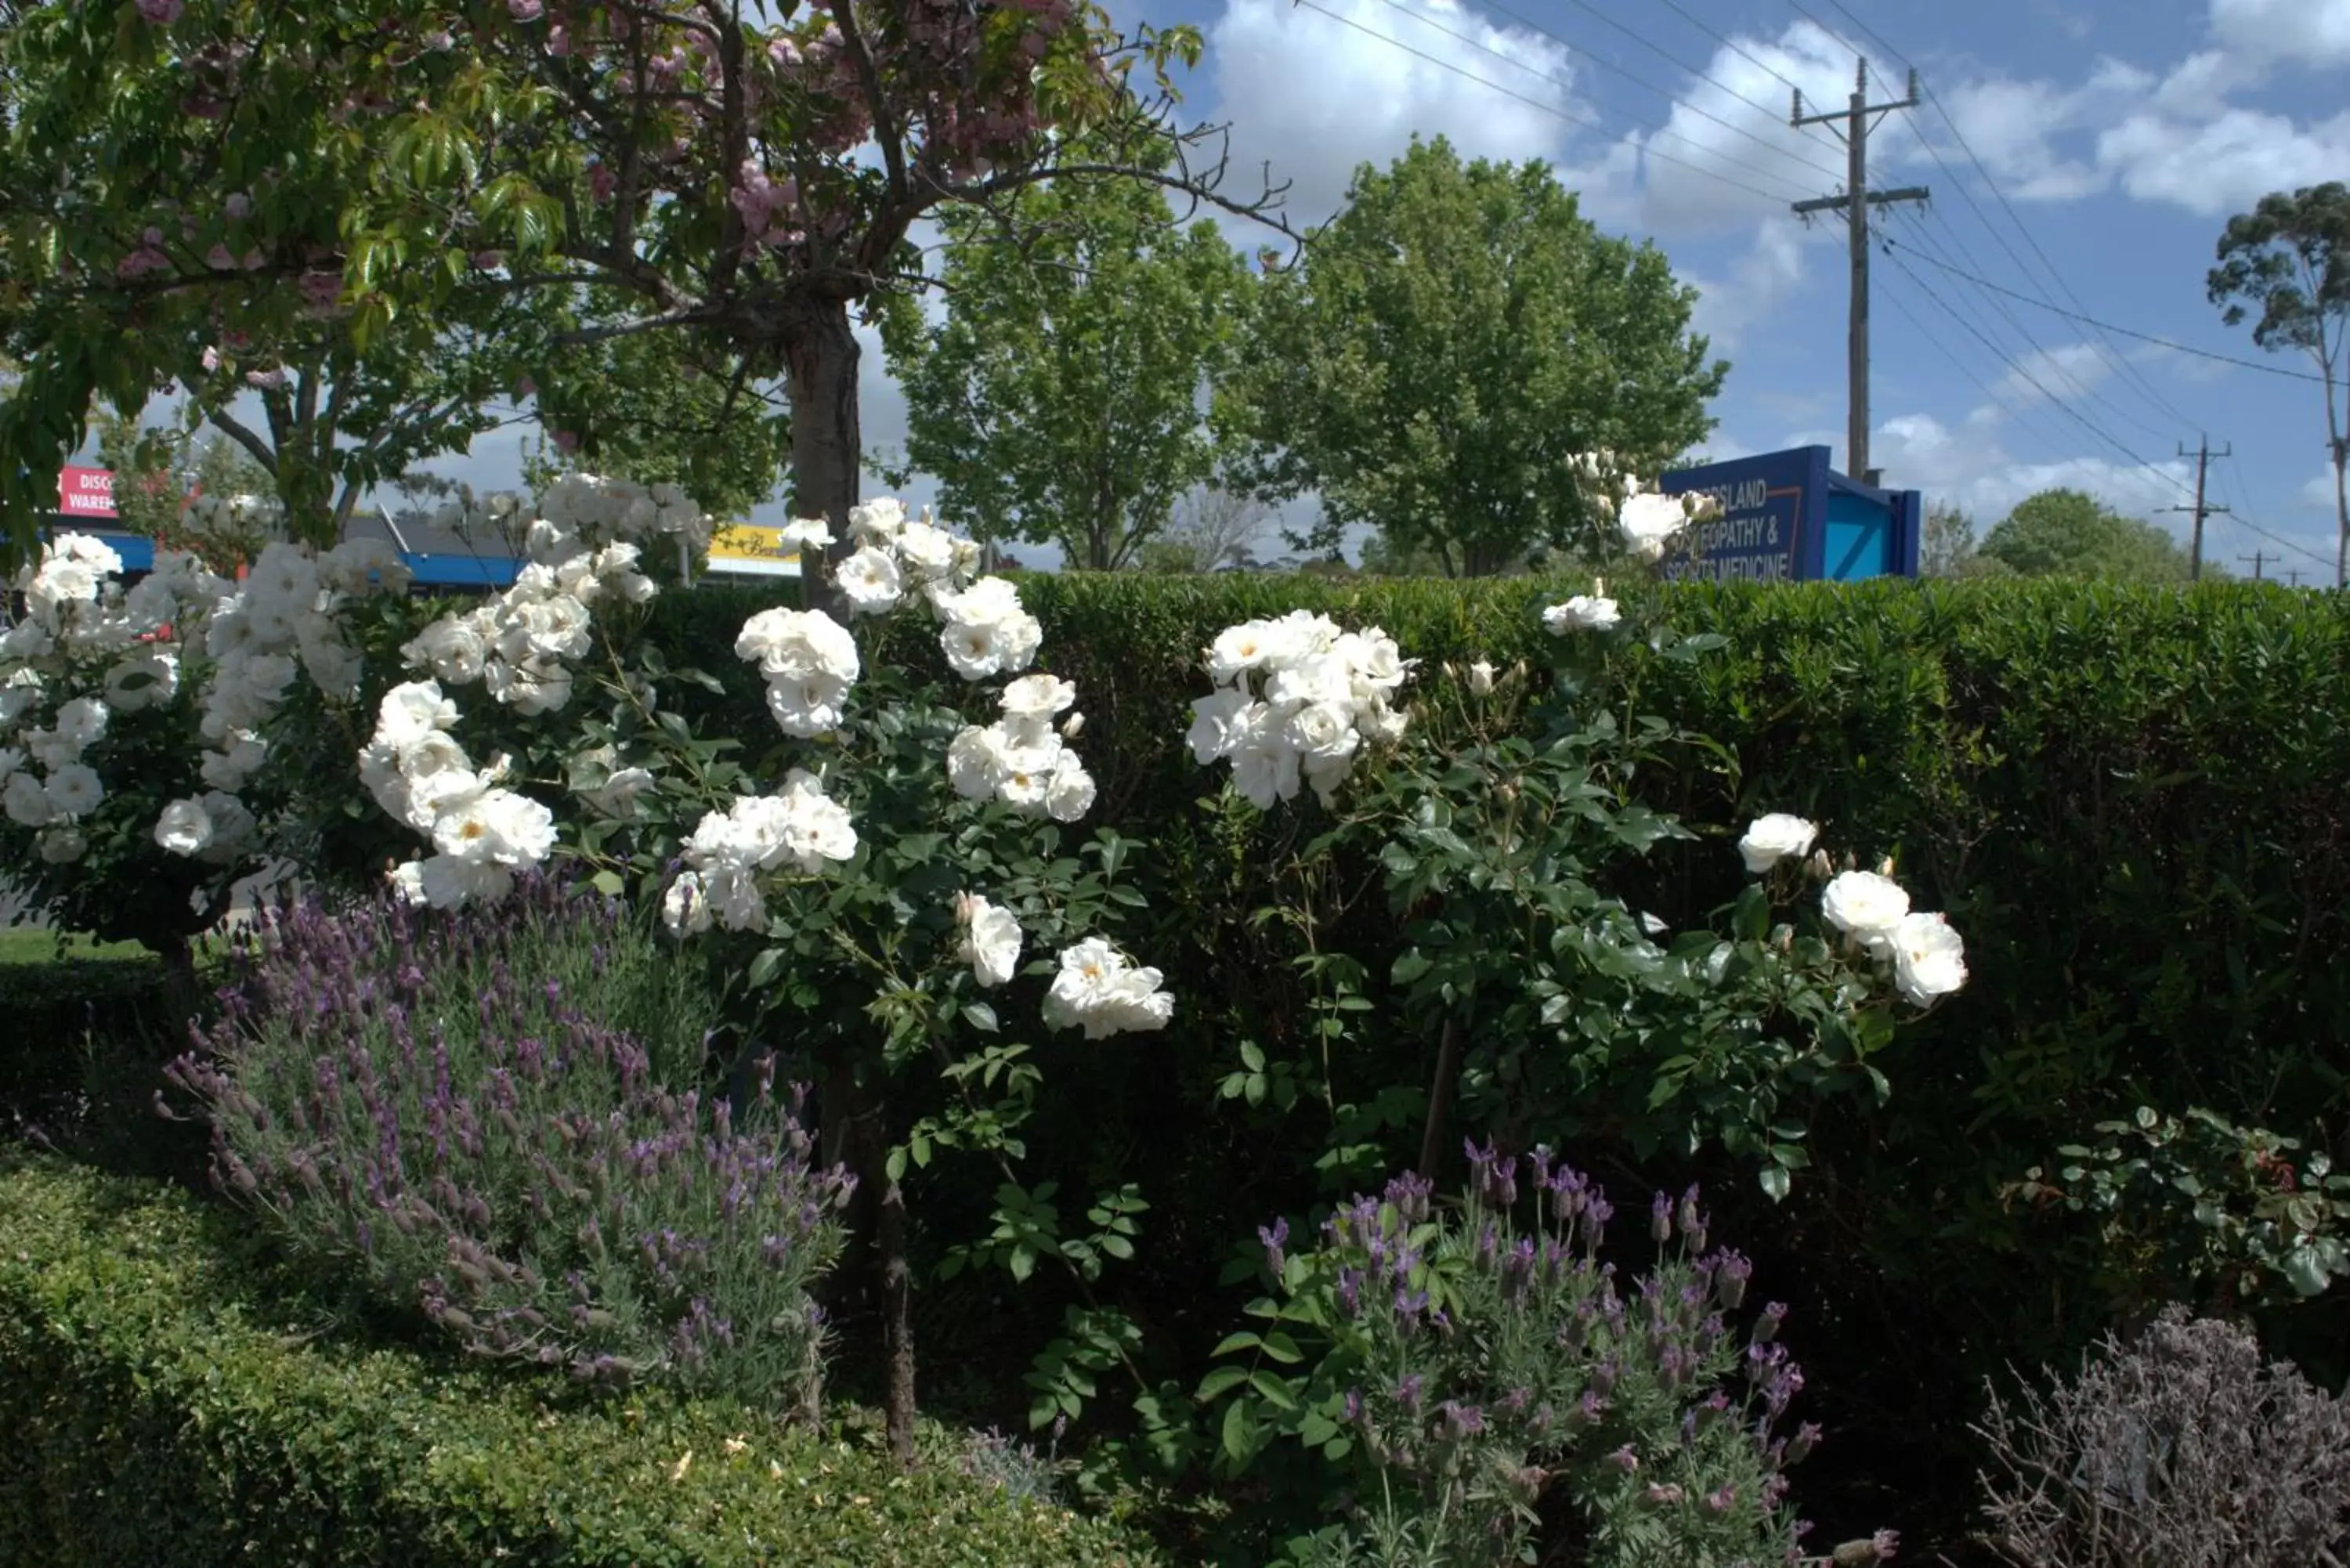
point(449, 883)
point(810, 706)
point(1581, 613)
point(1928, 959)
point(1069, 791)
point(1648, 523)
point(1866, 906)
point(878, 521)
point(81, 723)
point(1323, 732)
point(816, 828)
point(185, 828)
point(411, 711)
point(806, 533)
point(142, 680)
point(1037, 697)
point(991, 942)
point(24, 801)
point(618, 793)
point(1773, 838)
point(1480, 678)
point(75, 790)
point(798, 644)
point(976, 761)
point(926, 551)
point(870, 580)
point(61, 845)
point(1218, 722)
point(1100, 990)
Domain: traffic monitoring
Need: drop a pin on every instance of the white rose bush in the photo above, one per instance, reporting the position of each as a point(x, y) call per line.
point(1508, 834)
point(898, 877)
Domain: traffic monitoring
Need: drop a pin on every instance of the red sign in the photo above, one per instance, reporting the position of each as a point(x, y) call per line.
point(85, 492)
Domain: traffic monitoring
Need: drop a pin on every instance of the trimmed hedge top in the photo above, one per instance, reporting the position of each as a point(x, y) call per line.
point(161, 1410)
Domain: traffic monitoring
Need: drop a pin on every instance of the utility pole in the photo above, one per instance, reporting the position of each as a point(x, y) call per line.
point(1857, 200)
point(2203, 456)
point(2258, 558)
point(2293, 578)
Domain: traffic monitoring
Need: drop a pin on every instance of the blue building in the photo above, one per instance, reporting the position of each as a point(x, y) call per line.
point(1786, 517)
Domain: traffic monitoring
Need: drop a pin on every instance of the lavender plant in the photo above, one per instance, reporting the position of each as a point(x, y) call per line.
point(473, 1112)
point(2176, 1450)
point(1476, 1382)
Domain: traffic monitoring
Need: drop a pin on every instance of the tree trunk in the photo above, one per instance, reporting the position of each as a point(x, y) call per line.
point(1439, 1101)
point(820, 355)
point(894, 1275)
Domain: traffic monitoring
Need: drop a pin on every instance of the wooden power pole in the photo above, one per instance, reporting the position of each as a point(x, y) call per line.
point(2259, 558)
point(1857, 200)
point(2202, 508)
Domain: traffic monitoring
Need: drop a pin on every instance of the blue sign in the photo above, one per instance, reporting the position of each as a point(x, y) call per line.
point(1786, 517)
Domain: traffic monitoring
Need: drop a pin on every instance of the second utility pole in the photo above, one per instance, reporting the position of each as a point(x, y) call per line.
point(2203, 509)
point(1855, 202)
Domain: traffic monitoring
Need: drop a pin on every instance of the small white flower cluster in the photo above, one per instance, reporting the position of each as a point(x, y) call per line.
point(1102, 992)
point(1324, 691)
point(800, 828)
point(582, 548)
point(983, 630)
point(232, 514)
point(1022, 759)
point(809, 660)
point(1925, 952)
point(1594, 611)
point(481, 834)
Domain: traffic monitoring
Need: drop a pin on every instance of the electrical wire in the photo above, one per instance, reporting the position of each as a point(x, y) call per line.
point(2108, 325)
point(1551, 109)
point(2055, 447)
point(1511, 59)
point(2118, 362)
point(2081, 385)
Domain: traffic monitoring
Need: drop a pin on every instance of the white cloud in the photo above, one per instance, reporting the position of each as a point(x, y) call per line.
point(1970, 470)
point(2303, 32)
point(1757, 283)
point(2224, 165)
point(2318, 493)
point(1316, 96)
point(1726, 156)
point(2062, 373)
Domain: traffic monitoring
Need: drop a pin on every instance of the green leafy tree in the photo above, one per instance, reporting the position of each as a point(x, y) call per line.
point(1060, 401)
point(2285, 265)
point(1949, 548)
point(1453, 340)
point(2072, 534)
point(157, 472)
point(1213, 529)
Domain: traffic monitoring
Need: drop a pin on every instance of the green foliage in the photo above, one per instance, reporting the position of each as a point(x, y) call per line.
point(1059, 399)
point(2286, 263)
point(1453, 1369)
point(167, 1402)
point(2241, 1213)
point(1456, 336)
point(2071, 534)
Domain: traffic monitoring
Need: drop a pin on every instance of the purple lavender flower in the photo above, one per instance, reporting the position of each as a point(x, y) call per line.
point(1275, 1237)
point(1408, 1393)
point(1730, 1274)
point(1660, 1219)
point(1625, 1459)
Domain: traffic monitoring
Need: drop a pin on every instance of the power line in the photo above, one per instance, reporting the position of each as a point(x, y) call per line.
point(2239, 516)
point(2116, 360)
point(2016, 413)
point(1669, 56)
point(2030, 380)
point(2108, 325)
point(2048, 356)
point(1732, 45)
point(1551, 109)
point(1509, 59)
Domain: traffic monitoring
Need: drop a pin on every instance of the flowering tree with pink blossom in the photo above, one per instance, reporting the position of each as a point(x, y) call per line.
point(749, 173)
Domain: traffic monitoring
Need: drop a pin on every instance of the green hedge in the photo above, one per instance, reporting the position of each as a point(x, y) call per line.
point(2134, 802)
point(161, 1408)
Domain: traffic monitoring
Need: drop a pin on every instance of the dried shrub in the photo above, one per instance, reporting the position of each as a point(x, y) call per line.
point(2179, 1450)
point(444, 1105)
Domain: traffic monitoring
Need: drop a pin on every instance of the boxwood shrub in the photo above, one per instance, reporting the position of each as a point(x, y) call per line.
point(163, 1403)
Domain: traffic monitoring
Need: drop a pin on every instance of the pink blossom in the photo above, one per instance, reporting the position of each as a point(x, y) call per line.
point(220, 256)
point(239, 205)
point(270, 377)
point(162, 13)
point(558, 40)
point(568, 440)
point(526, 10)
point(600, 182)
point(525, 387)
point(212, 358)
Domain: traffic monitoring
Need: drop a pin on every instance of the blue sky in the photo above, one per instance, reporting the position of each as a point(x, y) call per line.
point(2081, 153)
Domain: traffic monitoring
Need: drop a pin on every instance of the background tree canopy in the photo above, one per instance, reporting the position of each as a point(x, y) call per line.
point(2071, 534)
point(1453, 339)
point(1061, 399)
